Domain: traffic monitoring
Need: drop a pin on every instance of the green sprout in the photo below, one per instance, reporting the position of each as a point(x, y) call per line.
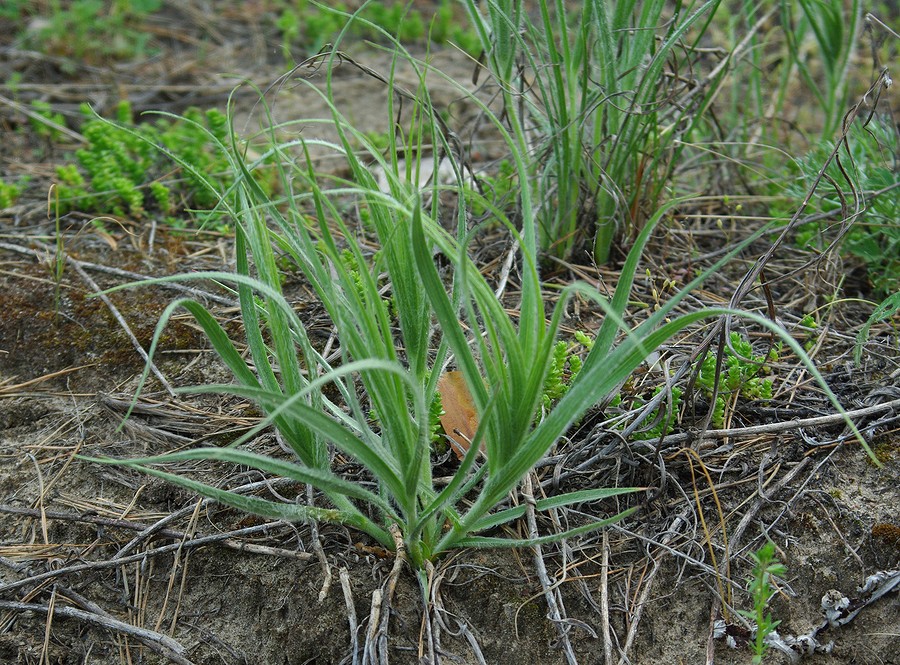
point(761, 589)
point(10, 192)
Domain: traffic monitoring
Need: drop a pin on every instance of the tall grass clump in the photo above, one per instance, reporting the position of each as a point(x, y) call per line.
point(799, 63)
point(833, 26)
point(598, 105)
point(399, 322)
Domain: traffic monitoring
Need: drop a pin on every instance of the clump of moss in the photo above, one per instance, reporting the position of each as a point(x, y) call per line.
point(10, 192)
point(125, 170)
point(887, 533)
point(740, 374)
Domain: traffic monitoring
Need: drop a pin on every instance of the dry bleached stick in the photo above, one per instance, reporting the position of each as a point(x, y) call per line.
point(783, 426)
point(553, 603)
point(375, 650)
point(161, 644)
point(755, 430)
point(146, 531)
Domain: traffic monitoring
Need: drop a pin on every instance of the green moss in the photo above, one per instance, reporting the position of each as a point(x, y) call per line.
point(886, 452)
point(10, 192)
point(124, 169)
point(739, 374)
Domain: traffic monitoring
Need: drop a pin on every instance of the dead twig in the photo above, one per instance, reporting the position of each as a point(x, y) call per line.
point(318, 549)
point(375, 647)
point(157, 642)
point(149, 530)
point(344, 577)
point(784, 426)
point(555, 607)
point(37, 117)
point(439, 623)
point(604, 601)
point(679, 521)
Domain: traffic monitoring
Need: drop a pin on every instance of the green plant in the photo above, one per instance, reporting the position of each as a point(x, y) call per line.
point(10, 192)
point(565, 364)
point(833, 25)
point(761, 589)
point(660, 422)
point(739, 376)
point(58, 263)
point(445, 28)
point(88, 30)
point(44, 112)
point(313, 24)
point(121, 162)
point(888, 307)
point(498, 189)
point(808, 327)
point(870, 168)
point(13, 9)
point(392, 353)
point(797, 64)
point(603, 145)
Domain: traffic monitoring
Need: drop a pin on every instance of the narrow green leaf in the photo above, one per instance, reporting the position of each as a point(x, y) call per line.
point(496, 519)
point(318, 478)
point(503, 543)
point(290, 512)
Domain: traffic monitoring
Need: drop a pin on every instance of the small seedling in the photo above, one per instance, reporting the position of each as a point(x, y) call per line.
point(888, 308)
point(809, 326)
point(761, 590)
point(59, 258)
